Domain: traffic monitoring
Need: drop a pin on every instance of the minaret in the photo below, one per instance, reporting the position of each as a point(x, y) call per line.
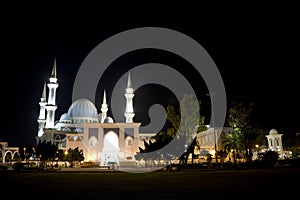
point(51, 107)
point(104, 108)
point(129, 114)
point(42, 117)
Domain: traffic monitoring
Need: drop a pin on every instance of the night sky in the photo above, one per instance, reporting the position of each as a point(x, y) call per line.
point(258, 62)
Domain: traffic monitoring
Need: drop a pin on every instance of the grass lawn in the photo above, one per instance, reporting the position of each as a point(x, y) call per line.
point(199, 184)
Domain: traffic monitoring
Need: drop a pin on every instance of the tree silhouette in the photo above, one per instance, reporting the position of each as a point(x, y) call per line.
point(46, 151)
point(241, 138)
point(75, 155)
point(184, 125)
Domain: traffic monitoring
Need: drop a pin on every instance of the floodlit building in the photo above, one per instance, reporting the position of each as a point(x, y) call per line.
point(210, 140)
point(275, 141)
point(275, 144)
point(101, 138)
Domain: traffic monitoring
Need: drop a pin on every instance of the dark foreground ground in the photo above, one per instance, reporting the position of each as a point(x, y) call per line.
point(271, 183)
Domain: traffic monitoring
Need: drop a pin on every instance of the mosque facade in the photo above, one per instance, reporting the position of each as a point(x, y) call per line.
point(101, 139)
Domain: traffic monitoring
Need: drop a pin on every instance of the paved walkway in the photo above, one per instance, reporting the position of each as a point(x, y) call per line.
point(95, 169)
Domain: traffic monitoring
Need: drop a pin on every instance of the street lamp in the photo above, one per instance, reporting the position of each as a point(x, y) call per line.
point(24, 153)
point(256, 150)
point(66, 154)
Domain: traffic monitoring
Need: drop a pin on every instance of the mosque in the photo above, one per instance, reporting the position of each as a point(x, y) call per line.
point(101, 139)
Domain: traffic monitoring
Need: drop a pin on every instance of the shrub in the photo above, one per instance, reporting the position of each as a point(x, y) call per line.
point(3, 167)
point(17, 166)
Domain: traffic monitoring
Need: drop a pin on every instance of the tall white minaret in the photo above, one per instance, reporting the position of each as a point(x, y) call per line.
point(104, 108)
point(51, 106)
point(42, 116)
point(129, 114)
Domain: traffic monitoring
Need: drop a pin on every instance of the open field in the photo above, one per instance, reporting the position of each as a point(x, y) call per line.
point(200, 184)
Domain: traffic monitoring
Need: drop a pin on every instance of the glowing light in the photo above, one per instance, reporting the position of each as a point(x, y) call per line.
point(53, 80)
point(91, 157)
point(111, 142)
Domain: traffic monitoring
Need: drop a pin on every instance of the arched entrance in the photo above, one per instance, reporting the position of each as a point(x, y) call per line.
point(10, 154)
point(111, 149)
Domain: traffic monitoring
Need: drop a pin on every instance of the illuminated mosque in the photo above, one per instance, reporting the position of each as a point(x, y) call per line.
point(101, 139)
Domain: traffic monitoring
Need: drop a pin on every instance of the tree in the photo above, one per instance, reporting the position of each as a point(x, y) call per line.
point(260, 136)
point(26, 151)
point(60, 155)
point(270, 157)
point(222, 154)
point(46, 151)
point(184, 125)
point(209, 159)
point(148, 152)
point(1, 150)
point(232, 141)
point(75, 155)
point(191, 149)
point(291, 141)
point(239, 120)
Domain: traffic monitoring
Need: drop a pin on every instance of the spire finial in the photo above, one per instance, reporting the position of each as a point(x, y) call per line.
point(104, 98)
point(53, 74)
point(129, 84)
point(104, 108)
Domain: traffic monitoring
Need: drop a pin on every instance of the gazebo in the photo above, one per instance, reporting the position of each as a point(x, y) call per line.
point(275, 142)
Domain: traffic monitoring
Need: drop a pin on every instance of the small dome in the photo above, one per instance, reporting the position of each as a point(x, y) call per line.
point(83, 108)
point(65, 118)
point(108, 120)
point(273, 132)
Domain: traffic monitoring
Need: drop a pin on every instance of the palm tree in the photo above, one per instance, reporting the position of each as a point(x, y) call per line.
point(232, 141)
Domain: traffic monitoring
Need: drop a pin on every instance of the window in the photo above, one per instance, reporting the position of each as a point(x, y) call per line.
point(57, 137)
point(128, 141)
point(78, 130)
point(67, 129)
point(93, 141)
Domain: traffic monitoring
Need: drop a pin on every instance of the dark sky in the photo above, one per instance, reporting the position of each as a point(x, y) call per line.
point(258, 62)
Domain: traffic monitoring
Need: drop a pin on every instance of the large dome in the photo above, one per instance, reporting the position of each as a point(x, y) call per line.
point(83, 109)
